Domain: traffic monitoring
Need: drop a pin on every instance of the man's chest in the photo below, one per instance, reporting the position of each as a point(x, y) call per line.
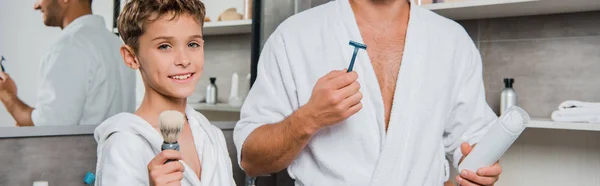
point(385, 50)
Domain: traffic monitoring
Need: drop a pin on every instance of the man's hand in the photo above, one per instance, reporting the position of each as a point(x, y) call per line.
point(335, 97)
point(8, 88)
point(484, 176)
point(8, 95)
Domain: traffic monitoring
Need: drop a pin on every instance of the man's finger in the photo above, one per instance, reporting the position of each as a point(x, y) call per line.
point(491, 171)
point(463, 182)
point(349, 90)
point(3, 76)
point(474, 178)
point(163, 156)
point(355, 108)
point(344, 80)
point(333, 74)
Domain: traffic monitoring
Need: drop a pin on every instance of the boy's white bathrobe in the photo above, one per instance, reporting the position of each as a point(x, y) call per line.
point(438, 104)
point(127, 143)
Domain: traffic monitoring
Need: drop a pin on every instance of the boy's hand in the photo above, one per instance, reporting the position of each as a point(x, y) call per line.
point(169, 174)
point(484, 176)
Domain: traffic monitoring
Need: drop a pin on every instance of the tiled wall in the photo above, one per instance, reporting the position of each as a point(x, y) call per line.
point(553, 58)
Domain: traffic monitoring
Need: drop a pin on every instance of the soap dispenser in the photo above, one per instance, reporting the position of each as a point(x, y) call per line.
point(212, 92)
point(508, 96)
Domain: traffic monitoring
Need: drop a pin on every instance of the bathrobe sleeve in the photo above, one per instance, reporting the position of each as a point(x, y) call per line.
point(63, 87)
point(471, 116)
point(272, 97)
point(122, 161)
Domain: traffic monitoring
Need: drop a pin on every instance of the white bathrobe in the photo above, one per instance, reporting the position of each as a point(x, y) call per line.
point(438, 104)
point(127, 143)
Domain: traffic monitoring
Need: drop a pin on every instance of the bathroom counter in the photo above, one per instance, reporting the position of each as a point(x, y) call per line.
point(18, 132)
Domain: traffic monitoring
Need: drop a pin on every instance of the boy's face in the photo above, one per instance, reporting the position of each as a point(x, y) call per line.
point(171, 55)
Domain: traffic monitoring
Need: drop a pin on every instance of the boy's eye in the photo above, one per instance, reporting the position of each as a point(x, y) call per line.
point(194, 45)
point(163, 47)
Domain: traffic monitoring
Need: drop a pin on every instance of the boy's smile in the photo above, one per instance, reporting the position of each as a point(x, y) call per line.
point(182, 78)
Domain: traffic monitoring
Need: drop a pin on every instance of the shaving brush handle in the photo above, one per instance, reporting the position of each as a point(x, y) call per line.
point(169, 146)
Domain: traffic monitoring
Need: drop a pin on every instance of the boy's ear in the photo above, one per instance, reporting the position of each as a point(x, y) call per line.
point(129, 57)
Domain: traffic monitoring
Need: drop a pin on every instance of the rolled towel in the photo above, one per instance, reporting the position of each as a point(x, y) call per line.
point(577, 104)
point(581, 115)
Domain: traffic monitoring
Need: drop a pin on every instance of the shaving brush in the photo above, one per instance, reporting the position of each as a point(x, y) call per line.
point(170, 123)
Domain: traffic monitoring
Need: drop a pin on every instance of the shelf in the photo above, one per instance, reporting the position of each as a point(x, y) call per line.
point(218, 107)
point(479, 9)
point(223, 27)
point(228, 27)
point(544, 123)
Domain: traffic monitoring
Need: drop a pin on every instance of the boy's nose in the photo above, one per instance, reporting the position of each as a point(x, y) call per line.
point(183, 59)
point(183, 62)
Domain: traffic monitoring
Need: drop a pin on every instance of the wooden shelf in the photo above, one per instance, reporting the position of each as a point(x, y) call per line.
point(479, 9)
point(544, 123)
point(223, 27)
point(218, 107)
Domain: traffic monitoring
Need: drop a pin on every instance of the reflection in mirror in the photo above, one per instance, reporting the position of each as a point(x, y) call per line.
point(68, 71)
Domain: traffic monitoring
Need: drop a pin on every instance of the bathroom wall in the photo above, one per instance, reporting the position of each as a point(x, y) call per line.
point(553, 58)
point(225, 55)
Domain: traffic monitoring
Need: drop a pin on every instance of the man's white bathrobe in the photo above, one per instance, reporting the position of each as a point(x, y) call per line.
point(127, 143)
point(438, 104)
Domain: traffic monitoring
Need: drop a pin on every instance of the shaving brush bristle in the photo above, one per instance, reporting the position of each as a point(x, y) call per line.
point(170, 123)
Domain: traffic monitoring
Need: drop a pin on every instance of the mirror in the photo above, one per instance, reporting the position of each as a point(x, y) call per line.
point(25, 42)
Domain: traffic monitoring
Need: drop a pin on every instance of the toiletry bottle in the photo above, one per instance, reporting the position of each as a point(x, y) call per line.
point(234, 97)
point(509, 96)
point(211, 91)
point(502, 134)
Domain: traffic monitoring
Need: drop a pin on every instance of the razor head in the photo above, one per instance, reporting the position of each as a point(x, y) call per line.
point(358, 45)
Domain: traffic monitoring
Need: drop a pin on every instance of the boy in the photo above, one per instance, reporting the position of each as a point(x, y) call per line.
point(163, 39)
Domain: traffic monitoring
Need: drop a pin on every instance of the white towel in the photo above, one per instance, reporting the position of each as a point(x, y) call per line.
point(583, 115)
point(577, 104)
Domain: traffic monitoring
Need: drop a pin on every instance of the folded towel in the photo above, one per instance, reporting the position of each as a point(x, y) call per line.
point(577, 104)
point(583, 115)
